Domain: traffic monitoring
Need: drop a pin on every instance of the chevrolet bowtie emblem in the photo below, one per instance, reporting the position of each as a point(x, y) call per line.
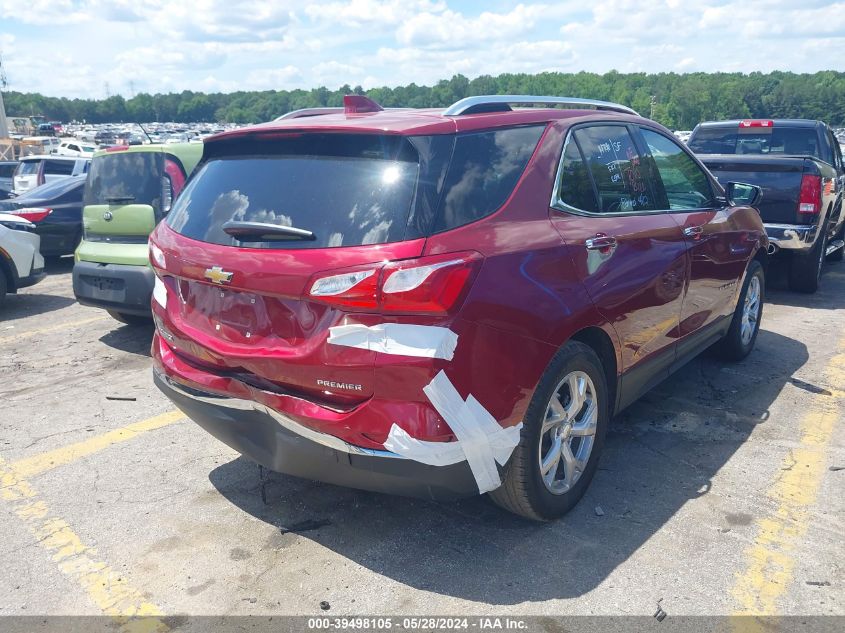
point(218, 275)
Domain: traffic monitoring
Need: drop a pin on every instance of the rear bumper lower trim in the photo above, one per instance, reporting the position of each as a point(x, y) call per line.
point(280, 444)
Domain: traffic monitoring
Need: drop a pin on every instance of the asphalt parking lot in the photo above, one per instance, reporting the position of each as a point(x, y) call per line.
point(721, 492)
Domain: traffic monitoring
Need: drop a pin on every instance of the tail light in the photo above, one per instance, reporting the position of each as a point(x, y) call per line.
point(33, 214)
point(810, 195)
point(756, 123)
point(429, 285)
point(172, 183)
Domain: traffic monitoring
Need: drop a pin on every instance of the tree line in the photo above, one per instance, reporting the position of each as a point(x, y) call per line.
point(678, 101)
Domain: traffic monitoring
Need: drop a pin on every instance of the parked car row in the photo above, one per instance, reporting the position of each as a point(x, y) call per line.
point(441, 303)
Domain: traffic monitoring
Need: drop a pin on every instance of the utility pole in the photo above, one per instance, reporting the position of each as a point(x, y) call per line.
point(4, 124)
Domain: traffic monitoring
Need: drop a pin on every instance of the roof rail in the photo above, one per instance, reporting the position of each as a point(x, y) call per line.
point(305, 112)
point(487, 103)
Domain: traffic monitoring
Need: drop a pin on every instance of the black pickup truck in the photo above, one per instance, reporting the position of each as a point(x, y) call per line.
point(798, 165)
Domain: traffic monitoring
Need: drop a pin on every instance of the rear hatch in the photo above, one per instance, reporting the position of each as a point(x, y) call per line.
point(261, 220)
point(28, 175)
point(126, 195)
point(760, 153)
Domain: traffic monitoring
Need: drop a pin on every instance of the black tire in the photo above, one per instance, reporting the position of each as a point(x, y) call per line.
point(4, 288)
point(130, 319)
point(805, 270)
point(523, 490)
point(732, 347)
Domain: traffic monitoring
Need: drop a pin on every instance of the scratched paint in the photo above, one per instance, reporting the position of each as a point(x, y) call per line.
point(770, 561)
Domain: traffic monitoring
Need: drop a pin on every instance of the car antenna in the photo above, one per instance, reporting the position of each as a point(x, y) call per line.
point(145, 132)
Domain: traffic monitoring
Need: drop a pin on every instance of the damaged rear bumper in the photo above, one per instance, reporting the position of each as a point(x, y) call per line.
point(278, 443)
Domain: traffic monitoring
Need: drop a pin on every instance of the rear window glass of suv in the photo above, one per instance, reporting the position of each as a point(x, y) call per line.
point(785, 141)
point(348, 190)
point(127, 178)
point(618, 172)
point(28, 167)
point(484, 170)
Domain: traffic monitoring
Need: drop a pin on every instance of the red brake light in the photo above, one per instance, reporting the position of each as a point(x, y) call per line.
point(33, 214)
point(756, 123)
point(427, 285)
point(117, 148)
point(810, 195)
point(430, 285)
point(171, 183)
point(356, 289)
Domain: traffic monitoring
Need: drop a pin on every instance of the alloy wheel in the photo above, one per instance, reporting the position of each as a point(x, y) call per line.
point(750, 311)
point(568, 432)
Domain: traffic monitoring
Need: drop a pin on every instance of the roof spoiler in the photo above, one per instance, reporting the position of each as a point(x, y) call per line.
point(352, 104)
point(502, 103)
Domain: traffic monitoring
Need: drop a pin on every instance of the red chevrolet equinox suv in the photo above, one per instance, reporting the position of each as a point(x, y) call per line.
point(443, 303)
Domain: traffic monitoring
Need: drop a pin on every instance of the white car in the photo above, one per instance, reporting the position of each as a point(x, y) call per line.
point(75, 148)
point(34, 171)
point(47, 143)
point(21, 264)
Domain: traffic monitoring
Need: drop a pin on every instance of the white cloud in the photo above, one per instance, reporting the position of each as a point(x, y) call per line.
point(160, 45)
point(450, 29)
point(372, 12)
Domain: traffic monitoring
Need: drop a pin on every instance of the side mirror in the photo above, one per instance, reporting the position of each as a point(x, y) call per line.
point(742, 194)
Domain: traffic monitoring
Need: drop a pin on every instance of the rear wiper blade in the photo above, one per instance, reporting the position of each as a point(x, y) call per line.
point(116, 199)
point(265, 232)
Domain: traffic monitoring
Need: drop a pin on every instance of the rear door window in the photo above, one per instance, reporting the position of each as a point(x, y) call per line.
point(348, 190)
point(7, 170)
point(685, 184)
point(125, 178)
point(621, 179)
point(484, 170)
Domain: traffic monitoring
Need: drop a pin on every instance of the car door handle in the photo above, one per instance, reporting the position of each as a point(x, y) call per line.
point(694, 231)
point(600, 243)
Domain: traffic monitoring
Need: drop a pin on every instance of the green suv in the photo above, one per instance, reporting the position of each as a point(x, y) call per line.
point(128, 191)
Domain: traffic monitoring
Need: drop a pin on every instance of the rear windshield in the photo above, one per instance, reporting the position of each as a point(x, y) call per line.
point(347, 190)
point(28, 167)
point(794, 141)
point(127, 178)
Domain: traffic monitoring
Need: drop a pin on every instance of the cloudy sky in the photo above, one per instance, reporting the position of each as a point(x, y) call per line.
point(79, 48)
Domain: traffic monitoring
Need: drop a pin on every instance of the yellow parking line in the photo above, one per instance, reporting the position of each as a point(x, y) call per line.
point(37, 464)
point(52, 328)
point(770, 560)
point(107, 587)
